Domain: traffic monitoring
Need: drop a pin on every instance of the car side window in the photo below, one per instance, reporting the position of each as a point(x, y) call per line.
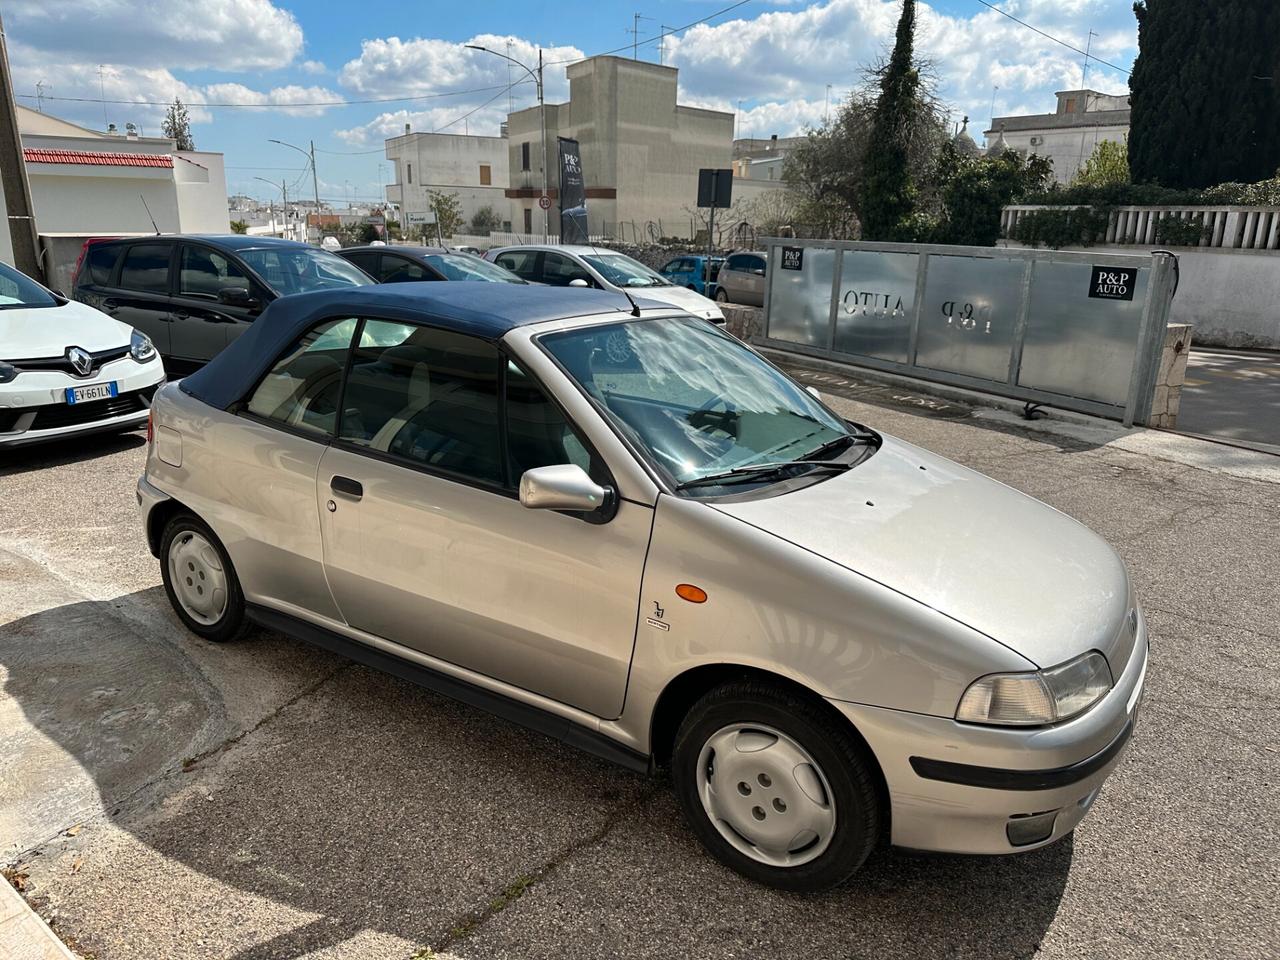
point(523, 263)
point(303, 386)
point(400, 270)
point(204, 273)
point(100, 261)
point(426, 396)
point(756, 263)
point(366, 261)
point(559, 270)
point(146, 267)
point(538, 435)
point(674, 266)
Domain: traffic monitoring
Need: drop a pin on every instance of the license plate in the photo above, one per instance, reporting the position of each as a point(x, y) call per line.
point(96, 391)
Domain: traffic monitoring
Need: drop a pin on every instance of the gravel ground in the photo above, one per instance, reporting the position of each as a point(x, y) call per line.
point(163, 797)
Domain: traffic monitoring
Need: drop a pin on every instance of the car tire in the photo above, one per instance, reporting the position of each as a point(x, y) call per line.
point(833, 796)
point(721, 295)
point(200, 580)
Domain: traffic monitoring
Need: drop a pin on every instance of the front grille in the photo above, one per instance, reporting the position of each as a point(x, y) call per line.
point(63, 365)
point(55, 415)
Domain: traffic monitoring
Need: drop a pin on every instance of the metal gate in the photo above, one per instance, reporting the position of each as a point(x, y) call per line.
point(1079, 331)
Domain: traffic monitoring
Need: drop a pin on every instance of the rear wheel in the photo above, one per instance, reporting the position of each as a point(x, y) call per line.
point(200, 581)
point(775, 787)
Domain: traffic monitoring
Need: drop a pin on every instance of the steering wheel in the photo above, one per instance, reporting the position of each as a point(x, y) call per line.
point(724, 422)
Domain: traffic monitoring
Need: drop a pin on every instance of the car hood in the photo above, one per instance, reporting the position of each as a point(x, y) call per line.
point(681, 297)
point(42, 332)
point(1009, 566)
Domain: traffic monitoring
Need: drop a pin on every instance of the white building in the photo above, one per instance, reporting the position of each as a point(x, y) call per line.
point(474, 168)
point(1084, 119)
point(87, 182)
point(755, 158)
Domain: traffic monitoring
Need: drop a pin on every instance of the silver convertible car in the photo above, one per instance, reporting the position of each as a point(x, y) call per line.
point(615, 523)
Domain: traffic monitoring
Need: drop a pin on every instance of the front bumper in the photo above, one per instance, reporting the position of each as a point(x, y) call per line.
point(33, 408)
point(957, 787)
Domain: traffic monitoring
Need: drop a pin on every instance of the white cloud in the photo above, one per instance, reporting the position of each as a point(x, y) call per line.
point(276, 98)
point(313, 67)
point(227, 35)
point(393, 66)
point(485, 121)
point(787, 57)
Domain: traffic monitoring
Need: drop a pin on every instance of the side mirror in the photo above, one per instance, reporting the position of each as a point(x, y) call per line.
point(758, 273)
point(578, 282)
point(237, 297)
point(564, 486)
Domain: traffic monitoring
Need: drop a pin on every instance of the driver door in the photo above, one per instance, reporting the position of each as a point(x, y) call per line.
point(426, 542)
point(202, 326)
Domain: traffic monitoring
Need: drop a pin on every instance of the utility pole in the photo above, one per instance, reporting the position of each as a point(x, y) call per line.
point(542, 110)
point(13, 176)
point(315, 182)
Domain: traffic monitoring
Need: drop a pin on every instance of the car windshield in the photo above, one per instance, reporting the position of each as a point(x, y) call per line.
point(622, 271)
point(695, 399)
point(303, 269)
point(463, 266)
point(18, 291)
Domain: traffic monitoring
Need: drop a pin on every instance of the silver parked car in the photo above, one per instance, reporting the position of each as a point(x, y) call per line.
point(742, 278)
point(585, 266)
point(623, 527)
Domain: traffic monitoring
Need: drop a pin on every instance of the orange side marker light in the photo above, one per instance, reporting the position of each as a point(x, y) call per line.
point(687, 591)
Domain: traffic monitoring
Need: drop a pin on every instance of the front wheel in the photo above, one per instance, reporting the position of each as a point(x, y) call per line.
point(721, 296)
point(200, 581)
point(776, 788)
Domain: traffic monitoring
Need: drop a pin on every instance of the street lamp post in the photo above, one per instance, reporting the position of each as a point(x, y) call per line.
point(284, 193)
point(542, 111)
point(315, 181)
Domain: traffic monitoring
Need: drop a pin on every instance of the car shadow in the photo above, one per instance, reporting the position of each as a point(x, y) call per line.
point(368, 803)
point(57, 453)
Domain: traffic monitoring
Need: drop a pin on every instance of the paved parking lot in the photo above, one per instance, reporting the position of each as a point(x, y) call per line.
point(162, 797)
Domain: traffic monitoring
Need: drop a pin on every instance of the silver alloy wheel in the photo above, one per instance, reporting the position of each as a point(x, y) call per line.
point(766, 795)
point(199, 582)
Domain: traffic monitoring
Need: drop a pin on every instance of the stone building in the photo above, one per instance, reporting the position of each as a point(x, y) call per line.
point(1084, 119)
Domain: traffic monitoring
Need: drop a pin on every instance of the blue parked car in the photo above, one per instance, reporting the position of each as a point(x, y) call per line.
point(689, 271)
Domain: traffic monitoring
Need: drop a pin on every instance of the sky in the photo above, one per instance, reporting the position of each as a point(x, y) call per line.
point(254, 70)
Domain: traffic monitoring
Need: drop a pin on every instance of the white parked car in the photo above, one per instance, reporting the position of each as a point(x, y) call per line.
point(604, 269)
point(67, 369)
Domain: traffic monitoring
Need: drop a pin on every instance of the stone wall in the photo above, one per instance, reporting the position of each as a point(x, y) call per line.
point(1170, 377)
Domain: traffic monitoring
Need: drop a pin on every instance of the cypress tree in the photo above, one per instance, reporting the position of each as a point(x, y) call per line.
point(1204, 92)
point(888, 195)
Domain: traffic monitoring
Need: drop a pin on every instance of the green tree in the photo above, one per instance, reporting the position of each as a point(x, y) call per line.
point(976, 188)
point(448, 210)
point(239, 226)
point(1107, 165)
point(177, 125)
point(888, 194)
point(1204, 92)
point(485, 220)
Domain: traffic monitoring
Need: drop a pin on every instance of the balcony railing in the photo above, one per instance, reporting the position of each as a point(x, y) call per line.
point(1225, 227)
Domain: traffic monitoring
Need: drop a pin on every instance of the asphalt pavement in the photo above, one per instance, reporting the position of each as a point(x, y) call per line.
point(164, 797)
point(1234, 395)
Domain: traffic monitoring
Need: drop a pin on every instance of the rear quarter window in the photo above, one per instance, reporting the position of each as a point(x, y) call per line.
point(100, 261)
point(146, 267)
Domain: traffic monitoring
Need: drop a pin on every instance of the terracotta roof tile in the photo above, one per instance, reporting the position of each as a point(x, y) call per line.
point(92, 158)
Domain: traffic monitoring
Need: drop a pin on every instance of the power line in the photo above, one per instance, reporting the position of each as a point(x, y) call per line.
point(710, 16)
point(1050, 36)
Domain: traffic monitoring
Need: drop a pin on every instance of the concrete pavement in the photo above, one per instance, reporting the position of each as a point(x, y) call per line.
point(1234, 395)
point(168, 797)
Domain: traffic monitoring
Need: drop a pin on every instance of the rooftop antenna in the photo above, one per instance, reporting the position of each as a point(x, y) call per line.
point(635, 34)
point(40, 95)
point(664, 31)
point(1084, 74)
point(102, 89)
point(149, 217)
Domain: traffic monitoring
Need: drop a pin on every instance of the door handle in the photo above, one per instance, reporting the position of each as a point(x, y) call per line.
point(181, 315)
point(345, 486)
point(110, 303)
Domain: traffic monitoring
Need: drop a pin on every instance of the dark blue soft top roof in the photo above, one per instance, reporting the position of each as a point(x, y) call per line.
point(481, 309)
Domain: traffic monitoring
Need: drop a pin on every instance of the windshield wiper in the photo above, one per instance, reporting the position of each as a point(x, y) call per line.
point(754, 471)
point(847, 439)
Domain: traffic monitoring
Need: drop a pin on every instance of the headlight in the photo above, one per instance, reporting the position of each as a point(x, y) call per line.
point(140, 347)
point(1045, 696)
point(7, 372)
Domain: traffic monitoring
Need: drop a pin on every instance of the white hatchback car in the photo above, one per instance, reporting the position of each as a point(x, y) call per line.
point(67, 369)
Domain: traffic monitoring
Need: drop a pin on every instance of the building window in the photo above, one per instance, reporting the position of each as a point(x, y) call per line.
point(528, 217)
point(524, 155)
point(1070, 105)
point(486, 178)
point(410, 173)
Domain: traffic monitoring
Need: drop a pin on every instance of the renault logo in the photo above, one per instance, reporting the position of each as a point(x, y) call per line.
point(80, 360)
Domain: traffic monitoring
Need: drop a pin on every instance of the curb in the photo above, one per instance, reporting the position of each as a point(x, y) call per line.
point(23, 935)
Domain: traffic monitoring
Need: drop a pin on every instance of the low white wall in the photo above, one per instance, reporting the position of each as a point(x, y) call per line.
point(1230, 297)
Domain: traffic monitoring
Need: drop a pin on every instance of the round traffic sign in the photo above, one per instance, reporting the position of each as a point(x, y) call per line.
point(544, 203)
